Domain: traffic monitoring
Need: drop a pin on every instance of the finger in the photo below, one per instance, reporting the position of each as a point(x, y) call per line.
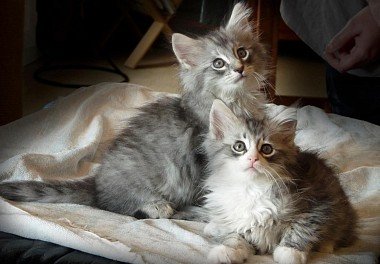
point(352, 60)
point(342, 38)
point(332, 59)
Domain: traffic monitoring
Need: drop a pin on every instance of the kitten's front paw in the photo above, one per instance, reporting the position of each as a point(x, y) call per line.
point(161, 209)
point(223, 254)
point(288, 255)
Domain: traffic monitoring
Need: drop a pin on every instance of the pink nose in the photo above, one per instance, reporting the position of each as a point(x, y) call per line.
point(253, 160)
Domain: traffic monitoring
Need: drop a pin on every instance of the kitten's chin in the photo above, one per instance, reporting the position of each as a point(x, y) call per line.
point(237, 87)
point(253, 171)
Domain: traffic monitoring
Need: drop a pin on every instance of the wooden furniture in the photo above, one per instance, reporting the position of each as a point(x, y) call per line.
point(268, 21)
point(266, 18)
point(160, 24)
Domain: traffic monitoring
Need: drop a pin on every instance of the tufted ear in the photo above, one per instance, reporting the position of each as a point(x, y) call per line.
point(186, 49)
point(239, 19)
point(222, 120)
point(284, 119)
point(288, 128)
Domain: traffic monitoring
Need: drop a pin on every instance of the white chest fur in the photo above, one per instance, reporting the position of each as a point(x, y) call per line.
point(247, 205)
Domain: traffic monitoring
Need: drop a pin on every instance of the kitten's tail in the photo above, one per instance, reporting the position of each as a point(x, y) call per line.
point(81, 191)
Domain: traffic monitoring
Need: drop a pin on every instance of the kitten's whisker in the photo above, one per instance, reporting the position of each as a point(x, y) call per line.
point(284, 169)
point(262, 84)
point(267, 173)
point(259, 80)
point(266, 84)
point(279, 178)
point(263, 79)
point(259, 84)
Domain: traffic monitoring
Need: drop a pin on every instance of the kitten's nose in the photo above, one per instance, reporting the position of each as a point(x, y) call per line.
point(239, 69)
point(253, 160)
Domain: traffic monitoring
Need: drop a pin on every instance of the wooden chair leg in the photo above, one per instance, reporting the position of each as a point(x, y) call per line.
point(159, 25)
point(144, 44)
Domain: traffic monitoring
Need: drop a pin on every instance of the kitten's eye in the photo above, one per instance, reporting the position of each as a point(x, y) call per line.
point(266, 149)
point(239, 147)
point(242, 53)
point(218, 63)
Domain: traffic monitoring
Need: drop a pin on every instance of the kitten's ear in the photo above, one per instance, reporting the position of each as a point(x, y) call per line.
point(288, 129)
point(222, 120)
point(239, 20)
point(186, 49)
point(284, 120)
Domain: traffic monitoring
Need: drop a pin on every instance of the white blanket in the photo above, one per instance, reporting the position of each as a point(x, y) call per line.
point(66, 140)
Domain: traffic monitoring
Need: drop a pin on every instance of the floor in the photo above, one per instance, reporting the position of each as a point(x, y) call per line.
point(296, 76)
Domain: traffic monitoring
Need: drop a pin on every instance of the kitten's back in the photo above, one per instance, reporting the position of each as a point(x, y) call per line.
point(322, 190)
point(154, 158)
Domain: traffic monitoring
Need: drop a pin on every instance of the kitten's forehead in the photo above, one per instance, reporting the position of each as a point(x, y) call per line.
point(250, 130)
point(225, 42)
point(266, 130)
point(270, 131)
point(217, 38)
point(254, 126)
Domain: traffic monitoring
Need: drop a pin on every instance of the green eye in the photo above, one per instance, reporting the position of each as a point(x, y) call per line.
point(242, 53)
point(239, 147)
point(218, 63)
point(266, 149)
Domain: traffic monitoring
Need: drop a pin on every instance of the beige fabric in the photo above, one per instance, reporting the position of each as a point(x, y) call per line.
point(66, 141)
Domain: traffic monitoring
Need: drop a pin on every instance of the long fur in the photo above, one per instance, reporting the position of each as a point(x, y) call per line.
point(154, 166)
point(290, 203)
point(74, 191)
point(202, 84)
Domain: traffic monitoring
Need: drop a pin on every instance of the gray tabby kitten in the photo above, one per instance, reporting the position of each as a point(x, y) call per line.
point(263, 190)
point(154, 166)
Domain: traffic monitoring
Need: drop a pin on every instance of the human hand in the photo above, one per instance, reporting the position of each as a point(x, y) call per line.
point(357, 44)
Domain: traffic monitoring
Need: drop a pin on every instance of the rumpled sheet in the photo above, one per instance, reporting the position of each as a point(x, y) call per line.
point(67, 140)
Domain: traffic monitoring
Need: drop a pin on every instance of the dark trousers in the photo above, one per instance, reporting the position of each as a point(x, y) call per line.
point(354, 96)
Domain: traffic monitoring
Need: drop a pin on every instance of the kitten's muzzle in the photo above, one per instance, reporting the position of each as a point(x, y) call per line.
point(239, 69)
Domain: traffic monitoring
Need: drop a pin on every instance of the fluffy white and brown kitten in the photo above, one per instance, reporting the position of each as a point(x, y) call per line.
point(265, 191)
point(154, 167)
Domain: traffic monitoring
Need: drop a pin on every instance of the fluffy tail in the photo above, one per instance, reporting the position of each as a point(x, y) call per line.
point(72, 191)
